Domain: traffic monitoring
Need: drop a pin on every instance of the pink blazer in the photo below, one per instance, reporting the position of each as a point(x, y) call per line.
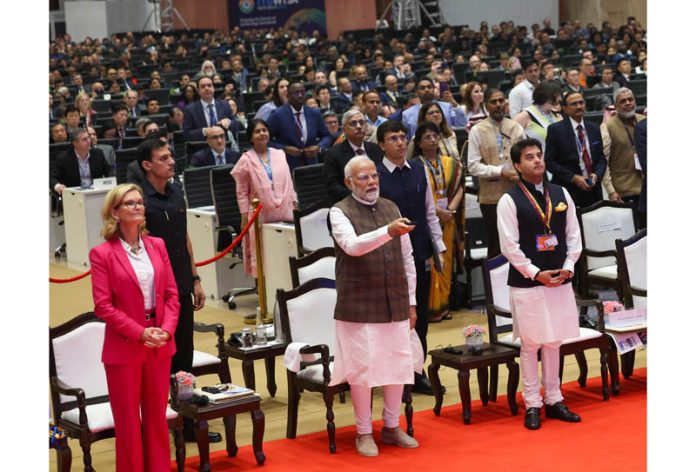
point(119, 301)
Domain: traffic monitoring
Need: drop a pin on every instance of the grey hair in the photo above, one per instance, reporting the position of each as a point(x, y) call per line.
point(621, 91)
point(350, 114)
point(357, 160)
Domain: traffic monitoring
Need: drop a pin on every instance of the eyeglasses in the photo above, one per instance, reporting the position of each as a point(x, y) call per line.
point(433, 113)
point(430, 137)
point(397, 138)
point(133, 204)
point(366, 177)
point(356, 123)
point(217, 136)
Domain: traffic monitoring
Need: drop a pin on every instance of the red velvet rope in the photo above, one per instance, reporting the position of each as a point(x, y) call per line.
point(236, 241)
point(226, 251)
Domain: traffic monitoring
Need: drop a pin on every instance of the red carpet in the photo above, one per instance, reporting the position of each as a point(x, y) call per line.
point(611, 437)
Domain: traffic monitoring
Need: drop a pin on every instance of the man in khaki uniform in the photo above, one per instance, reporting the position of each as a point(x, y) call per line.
point(490, 141)
point(623, 178)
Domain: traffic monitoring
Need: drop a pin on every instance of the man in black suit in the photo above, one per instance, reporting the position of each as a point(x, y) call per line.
point(575, 153)
point(217, 154)
point(391, 95)
point(338, 156)
point(201, 115)
point(79, 164)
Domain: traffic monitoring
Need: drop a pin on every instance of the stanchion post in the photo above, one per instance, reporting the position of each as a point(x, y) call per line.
point(260, 279)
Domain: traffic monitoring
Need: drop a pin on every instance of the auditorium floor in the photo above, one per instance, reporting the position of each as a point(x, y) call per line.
point(68, 300)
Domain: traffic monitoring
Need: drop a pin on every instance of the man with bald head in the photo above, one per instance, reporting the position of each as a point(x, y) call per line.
point(391, 95)
point(375, 304)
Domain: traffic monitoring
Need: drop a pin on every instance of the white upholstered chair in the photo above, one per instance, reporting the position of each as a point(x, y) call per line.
point(318, 264)
point(79, 393)
point(307, 318)
point(495, 278)
point(311, 229)
point(632, 255)
point(601, 224)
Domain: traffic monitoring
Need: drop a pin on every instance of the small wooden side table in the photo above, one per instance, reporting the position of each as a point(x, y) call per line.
point(227, 411)
point(248, 356)
point(492, 355)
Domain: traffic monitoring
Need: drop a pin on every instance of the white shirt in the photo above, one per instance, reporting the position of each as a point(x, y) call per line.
point(142, 266)
point(303, 121)
point(206, 111)
point(355, 149)
point(520, 97)
point(575, 124)
point(356, 246)
point(431, 217)
point(509, 234)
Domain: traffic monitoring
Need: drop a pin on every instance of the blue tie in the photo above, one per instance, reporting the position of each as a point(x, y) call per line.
point(219, 160)
point(212, 115)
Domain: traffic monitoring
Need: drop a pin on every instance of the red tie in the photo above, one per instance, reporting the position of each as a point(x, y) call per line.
point(585, 155)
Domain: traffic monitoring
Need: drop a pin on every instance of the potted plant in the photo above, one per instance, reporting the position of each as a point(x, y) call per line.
point(473, 335)
point(186, 383)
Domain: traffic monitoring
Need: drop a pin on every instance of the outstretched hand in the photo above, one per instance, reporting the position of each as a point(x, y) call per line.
point(400, 226)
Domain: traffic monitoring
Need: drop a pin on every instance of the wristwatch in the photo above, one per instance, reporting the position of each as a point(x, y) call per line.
point(196, 277)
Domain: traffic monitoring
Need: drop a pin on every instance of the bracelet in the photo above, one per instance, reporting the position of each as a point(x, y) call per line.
point(197, 277)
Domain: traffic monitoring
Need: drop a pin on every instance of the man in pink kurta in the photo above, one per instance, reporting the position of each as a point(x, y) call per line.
point(275, 191)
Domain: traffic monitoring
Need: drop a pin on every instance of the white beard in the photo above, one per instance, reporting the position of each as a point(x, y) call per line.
point(370, 197)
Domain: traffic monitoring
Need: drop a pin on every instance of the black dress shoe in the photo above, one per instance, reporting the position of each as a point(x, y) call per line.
point(561, 412)
point(532, 418)
point(423, 385)
point(213, 437)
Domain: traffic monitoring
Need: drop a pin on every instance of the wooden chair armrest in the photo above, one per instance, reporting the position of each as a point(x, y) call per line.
point(323, 350)
point(607, 253)
point(174, 392)
point(65, 389)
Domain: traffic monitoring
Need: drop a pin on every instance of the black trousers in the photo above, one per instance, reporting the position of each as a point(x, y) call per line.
point(489, 212)
point(634, 201)
point(183, 337)
point(422, 299)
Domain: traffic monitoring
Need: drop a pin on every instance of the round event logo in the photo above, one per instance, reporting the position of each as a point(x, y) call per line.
point(246, 6)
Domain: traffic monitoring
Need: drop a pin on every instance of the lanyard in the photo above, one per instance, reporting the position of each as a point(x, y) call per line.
point(269, 172)
point(630, 137)
point(438, 175)
point(545, 217)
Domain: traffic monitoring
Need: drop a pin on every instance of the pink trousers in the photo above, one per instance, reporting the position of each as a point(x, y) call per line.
point(135, 390)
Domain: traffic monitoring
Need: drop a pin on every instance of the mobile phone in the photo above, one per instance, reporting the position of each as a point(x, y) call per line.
point(411, 223)
point(444, 87)
point(589, 182)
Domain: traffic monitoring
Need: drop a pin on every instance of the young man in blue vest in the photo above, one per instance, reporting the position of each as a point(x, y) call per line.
point(406, 184)
point(540, 236)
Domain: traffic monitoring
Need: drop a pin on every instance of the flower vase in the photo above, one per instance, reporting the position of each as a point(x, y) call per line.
point(185, 392)
point(476, 340)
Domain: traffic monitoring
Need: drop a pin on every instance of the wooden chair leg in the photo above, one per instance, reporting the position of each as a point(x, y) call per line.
point(87, 457)
point(613, 362)
point(179, 445)
point(493, 389)
point(603, 352)
point(582, 366)
point(293, 405)
point(330, 426)
point(342, 397)
point(408, 409)
point(627, 361)
point(560, 367)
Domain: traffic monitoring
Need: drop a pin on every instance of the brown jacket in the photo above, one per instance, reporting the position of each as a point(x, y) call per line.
point(372, 288)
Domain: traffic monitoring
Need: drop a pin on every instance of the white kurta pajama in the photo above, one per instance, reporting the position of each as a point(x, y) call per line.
point(542, 316)
point(375, 354)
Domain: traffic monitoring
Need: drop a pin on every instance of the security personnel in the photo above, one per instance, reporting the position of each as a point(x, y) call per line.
point(165, 214)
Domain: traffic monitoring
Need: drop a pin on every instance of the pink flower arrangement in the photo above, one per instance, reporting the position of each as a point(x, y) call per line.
point(612, 306)
point(185, 378)
point(473, 330)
